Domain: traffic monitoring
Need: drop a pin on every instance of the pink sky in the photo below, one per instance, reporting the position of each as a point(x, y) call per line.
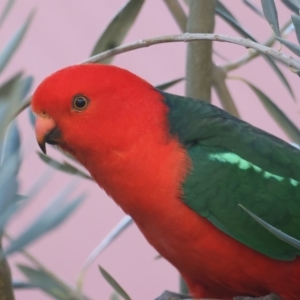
point(63, 33)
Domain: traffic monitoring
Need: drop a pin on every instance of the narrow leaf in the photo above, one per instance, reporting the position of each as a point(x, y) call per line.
point(280, 118)
point(293, 5)
point(7, 87)
point(31, 117)
point(271, 15)
point(6, 10)
point(168, 84)
point(26, 85)
point(11, 143)
point(114, 296)
point(278, 233)
point(65, 167)
point(108, 239)
point(222, 8)
point(278, 72)
point(228, 17)
point(50, 218)
point(296, 22)
point(21, 285)
point(10, 48)
point(253, 7)
point(113, 283)
point(244, 33)
point(293, 47)
point(117, 29)
point(50, 284)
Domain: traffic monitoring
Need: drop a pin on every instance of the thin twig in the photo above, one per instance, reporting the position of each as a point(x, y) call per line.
point(252, 53)
point(188, 37)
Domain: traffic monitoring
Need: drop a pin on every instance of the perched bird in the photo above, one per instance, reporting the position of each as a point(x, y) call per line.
point(181, 168)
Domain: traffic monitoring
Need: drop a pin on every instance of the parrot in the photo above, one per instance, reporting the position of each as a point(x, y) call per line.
point(183, 169)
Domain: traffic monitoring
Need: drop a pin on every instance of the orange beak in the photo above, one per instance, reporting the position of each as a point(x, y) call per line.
point(46, 131)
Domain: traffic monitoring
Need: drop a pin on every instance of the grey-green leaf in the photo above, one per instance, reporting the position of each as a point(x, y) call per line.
point(296, 22)
point(50, 218)
point(244, 33)
point(293, 5)
point(279, 74)
point(7, 87)
point(293, 47)
point(114, 296)
point(114, 284)
point(117, 29)
point(222, 8)
point(12, 45)
point(50, 284)
point(278, 233)
point(281, 119)
point(271, 15)
point(65, 167)
point(253, 7)
point(228, 17)
point(6, 10)
point(168, 84)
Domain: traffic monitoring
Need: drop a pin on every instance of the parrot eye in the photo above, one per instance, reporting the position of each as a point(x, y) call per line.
point(80, 103)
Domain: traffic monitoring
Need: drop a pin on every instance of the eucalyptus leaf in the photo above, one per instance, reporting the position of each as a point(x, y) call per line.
point(278, 233)
point(32, 117)
point(293, 47)
point(296, 22)
point(65, 167)
point(244, 33)
point(114, 284)
point(117, 29)
point(50, 218)
point(278, 72)
point(9, 108)
point(21, 285)
point(253, 8)
point(7, 87)
point(50, 284)
point(293, 5)
point(271, 15)
point(227, 17)
point(11, 143)
point(108, 239)
point(222, 8)
point(26, 85)
point(280, 118)
point(12, 45)
point(168, 84)
point(114, 296)
point(8, 188)
point(6, 10)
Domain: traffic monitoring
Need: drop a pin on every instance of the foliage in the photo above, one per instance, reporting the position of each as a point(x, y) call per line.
point(13, 93)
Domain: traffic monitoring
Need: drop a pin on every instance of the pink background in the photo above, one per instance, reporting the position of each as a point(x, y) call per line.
point(63, 33)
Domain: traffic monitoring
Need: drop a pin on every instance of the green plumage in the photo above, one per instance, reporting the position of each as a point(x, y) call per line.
point(235, 163)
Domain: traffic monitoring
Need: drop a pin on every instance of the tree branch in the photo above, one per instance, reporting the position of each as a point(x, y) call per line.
point(199, 54)
point(187, 37)
point(252, 54)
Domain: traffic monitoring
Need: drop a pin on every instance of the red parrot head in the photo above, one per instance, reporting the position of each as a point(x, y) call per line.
point(95, 108)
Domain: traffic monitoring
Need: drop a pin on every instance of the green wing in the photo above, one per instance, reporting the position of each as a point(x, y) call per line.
point(237, 164)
